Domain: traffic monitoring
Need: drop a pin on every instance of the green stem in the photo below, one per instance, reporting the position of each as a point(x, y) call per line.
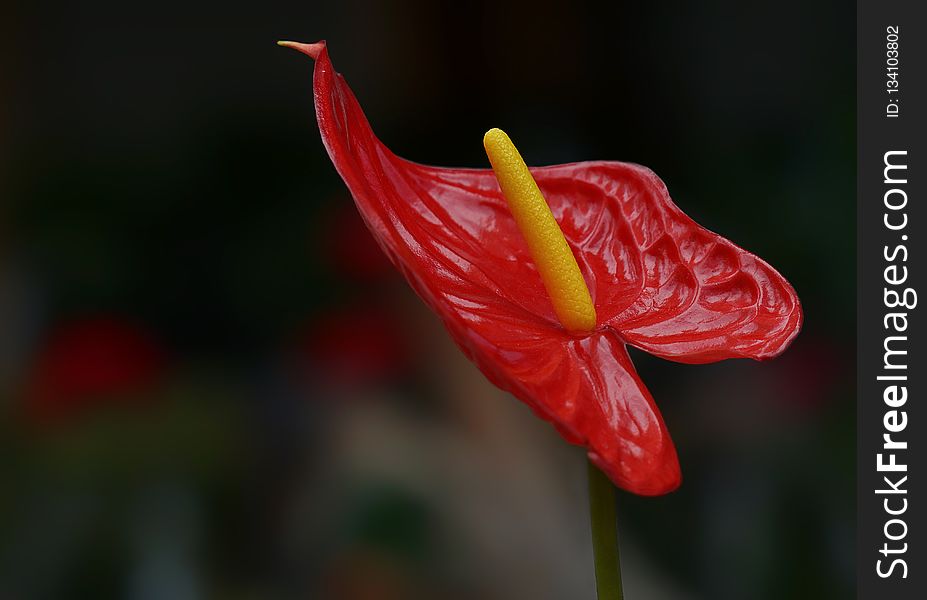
point(604, 535)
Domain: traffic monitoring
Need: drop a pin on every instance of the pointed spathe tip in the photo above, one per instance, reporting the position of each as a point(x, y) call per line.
point(310, 50)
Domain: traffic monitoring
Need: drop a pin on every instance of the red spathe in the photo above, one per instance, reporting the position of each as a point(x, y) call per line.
point(659, 281)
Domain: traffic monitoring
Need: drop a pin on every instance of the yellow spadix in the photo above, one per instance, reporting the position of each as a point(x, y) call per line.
point(552, 255)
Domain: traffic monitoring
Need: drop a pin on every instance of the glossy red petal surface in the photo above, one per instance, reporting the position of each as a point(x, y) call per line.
point(658, 280)
point(697, 297)
point(585, 385)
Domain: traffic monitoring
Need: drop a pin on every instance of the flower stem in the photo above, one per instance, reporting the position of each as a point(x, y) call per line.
point(604, 536)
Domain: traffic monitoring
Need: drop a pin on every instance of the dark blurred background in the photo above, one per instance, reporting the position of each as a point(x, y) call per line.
point(213, 386)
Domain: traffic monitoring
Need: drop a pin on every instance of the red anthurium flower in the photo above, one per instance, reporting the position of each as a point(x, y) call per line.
point(658, 281)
